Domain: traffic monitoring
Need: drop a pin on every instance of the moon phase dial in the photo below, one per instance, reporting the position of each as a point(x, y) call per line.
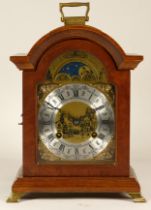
point(76, 122)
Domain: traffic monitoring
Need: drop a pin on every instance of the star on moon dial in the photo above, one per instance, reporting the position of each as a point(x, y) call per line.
point(76, 122)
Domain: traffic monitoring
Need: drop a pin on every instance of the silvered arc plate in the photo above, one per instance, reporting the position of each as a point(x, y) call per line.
point(76, 122)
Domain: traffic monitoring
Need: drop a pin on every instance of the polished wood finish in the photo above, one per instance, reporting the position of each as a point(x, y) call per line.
point(121, 81)
point(76, 177)
point(23, 186)
point(122, 60)
point(26, 185)
point(76, 184)
point(22, 62)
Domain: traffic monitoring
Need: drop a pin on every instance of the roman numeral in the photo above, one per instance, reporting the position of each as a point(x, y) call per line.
point(45, 122)
point(84, 150)
point(83, 93)
point(75, 92)
point(105, 121)
point(101, 136)
point(62, 147)
point(99, 108)
point(50, 106)
point(91, 146)
point(76, 151)
point(51, 137)
point(68, 93)
point(91, 94)
point(68, 151)
point(61, 97)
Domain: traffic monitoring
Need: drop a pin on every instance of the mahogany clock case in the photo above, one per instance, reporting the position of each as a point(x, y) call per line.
point(117, 66)
point(118, 79)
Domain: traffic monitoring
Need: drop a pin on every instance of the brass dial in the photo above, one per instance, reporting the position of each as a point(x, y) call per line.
point(76, 122)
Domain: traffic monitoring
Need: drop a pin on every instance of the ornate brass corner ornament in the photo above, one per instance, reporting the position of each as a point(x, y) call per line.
point(108, 155)
point(137, 197)
point(45, 155)
point(108, 90)
point(43, 89)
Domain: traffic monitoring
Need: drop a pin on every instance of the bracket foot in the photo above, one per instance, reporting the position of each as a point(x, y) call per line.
point(15, 197)
point(137, 197)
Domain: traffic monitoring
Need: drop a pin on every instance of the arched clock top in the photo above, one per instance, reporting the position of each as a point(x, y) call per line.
point(30, 61)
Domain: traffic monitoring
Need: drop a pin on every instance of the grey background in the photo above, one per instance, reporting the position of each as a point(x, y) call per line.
point(22, 23)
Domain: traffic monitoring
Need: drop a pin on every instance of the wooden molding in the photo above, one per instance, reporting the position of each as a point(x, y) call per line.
point(22, 62)
point(24, 186)
point(76, 184)
point(130, 62)
point(30, 61)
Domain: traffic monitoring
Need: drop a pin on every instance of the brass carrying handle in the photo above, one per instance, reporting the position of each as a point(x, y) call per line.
point(74, 4)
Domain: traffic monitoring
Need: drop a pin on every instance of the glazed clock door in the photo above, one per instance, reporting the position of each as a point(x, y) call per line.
point(76, 123)
point(77, 113)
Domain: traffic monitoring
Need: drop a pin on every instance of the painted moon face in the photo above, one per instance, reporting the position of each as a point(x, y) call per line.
point(76, 122)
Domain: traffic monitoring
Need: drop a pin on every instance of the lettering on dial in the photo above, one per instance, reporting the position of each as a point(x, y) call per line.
point(67, 94)
point(51, 137)
point(75, 92)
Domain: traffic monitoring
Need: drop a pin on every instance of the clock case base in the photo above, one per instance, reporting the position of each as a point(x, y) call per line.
point(22, 186)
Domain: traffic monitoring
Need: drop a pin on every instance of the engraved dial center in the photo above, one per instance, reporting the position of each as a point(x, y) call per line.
point(76, 121)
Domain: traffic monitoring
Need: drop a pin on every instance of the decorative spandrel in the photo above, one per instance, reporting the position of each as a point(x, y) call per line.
point(76, 123)
point(76, 66)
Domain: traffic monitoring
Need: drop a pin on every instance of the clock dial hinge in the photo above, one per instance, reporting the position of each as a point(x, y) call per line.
point(74, 20)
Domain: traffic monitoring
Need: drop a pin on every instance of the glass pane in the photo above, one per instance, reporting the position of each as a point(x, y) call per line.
point(76, 117)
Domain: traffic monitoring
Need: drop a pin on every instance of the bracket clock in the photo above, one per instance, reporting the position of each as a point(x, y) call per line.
point(76, 113)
